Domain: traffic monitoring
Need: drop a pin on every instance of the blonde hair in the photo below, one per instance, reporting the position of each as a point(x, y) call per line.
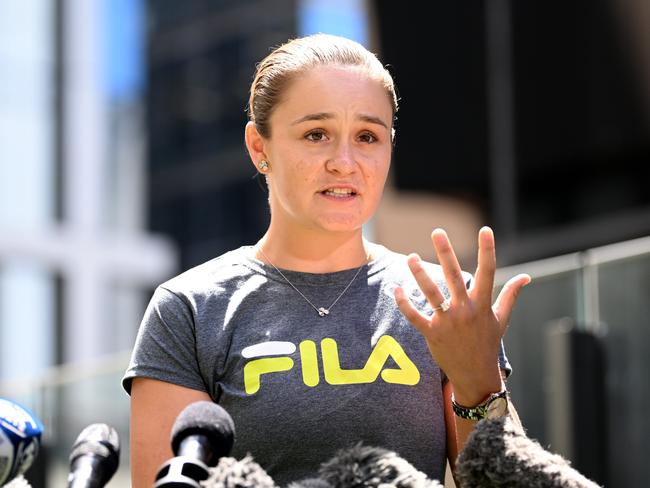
point(276, 71)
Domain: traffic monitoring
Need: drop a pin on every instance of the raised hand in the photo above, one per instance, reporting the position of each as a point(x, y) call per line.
point(465, 331)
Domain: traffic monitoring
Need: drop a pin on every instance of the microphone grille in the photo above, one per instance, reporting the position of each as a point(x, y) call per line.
point(99, 440)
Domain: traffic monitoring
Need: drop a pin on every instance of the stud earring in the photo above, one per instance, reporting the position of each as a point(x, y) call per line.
point(263, 165)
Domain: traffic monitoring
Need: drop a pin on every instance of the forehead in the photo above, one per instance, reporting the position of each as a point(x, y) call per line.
point(335, 89)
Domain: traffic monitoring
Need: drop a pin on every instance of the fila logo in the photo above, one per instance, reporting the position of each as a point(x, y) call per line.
point(406, 373)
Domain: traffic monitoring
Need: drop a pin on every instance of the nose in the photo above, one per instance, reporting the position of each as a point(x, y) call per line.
point(342, 160)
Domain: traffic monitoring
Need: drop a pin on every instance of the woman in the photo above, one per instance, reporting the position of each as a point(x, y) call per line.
point(307, 337)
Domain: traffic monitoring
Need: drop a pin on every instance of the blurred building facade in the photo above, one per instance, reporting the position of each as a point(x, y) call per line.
point(74, 242)
point(122, 162)
point(76, 258)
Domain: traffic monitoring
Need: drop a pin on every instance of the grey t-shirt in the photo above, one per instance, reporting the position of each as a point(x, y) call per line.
point(300, 386)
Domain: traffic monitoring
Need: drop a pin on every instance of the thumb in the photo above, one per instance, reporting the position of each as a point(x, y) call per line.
point(505, 302)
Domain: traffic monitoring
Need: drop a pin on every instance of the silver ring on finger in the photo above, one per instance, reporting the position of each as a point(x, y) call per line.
point(444, 305)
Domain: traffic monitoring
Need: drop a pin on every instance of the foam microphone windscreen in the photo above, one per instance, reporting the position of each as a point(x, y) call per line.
point(499, 454)
point(205, 419)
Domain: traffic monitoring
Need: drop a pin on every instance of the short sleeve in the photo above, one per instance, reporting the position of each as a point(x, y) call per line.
point(504, 364)
point(165, 347)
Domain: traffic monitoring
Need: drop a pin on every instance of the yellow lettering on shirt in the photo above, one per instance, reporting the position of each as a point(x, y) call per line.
point(387, 346)
point(257, 367)
point(309, 359)
point(406, 372)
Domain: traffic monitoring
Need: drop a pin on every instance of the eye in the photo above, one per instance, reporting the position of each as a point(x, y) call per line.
point(367, 137)
point(315, 135)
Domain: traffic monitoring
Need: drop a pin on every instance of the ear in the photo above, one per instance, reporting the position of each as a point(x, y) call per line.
point(255, 144)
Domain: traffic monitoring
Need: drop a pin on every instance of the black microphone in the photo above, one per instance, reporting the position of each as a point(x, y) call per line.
point(203, 433)
point(499, 454)
point(95, 457)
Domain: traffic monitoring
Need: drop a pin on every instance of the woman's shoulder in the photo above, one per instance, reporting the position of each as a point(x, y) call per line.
point(222, 272)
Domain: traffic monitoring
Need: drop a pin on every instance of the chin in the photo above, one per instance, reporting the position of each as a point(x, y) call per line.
point(351, 225)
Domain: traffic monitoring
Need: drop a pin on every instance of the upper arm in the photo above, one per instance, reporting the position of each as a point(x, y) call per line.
point(154, 407)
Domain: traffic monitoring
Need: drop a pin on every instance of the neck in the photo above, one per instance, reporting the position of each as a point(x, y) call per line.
point(314, 251)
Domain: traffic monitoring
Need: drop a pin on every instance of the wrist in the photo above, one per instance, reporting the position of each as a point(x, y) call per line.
point(473, 395)
point(493, 407)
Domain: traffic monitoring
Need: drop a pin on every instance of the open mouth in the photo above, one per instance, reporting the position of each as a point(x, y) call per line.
point(339, 192)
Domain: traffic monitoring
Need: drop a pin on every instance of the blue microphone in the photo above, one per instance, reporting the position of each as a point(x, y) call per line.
point(20, 439)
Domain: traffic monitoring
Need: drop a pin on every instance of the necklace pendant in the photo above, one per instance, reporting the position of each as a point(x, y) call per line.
point(323, 311)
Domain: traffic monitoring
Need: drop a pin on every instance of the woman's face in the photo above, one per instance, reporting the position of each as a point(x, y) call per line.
point(329, 149)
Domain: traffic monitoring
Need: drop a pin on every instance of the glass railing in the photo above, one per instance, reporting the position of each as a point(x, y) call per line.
point(605, 293)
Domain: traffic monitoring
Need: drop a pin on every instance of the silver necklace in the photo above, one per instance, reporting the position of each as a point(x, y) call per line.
point(322, 311)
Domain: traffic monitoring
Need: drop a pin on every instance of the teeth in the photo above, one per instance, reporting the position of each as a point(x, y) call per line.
point(339, 191)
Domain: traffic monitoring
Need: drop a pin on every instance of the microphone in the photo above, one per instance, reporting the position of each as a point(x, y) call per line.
point(95, 457)
point(498, 454)
point(18, 482)
point(367, 467)
point(244, 473)
point(20, 440)
point(311, 483)
point(358, 467)
point(203, 433)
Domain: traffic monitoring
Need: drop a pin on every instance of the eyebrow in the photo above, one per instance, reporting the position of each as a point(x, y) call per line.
point(326, 115)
